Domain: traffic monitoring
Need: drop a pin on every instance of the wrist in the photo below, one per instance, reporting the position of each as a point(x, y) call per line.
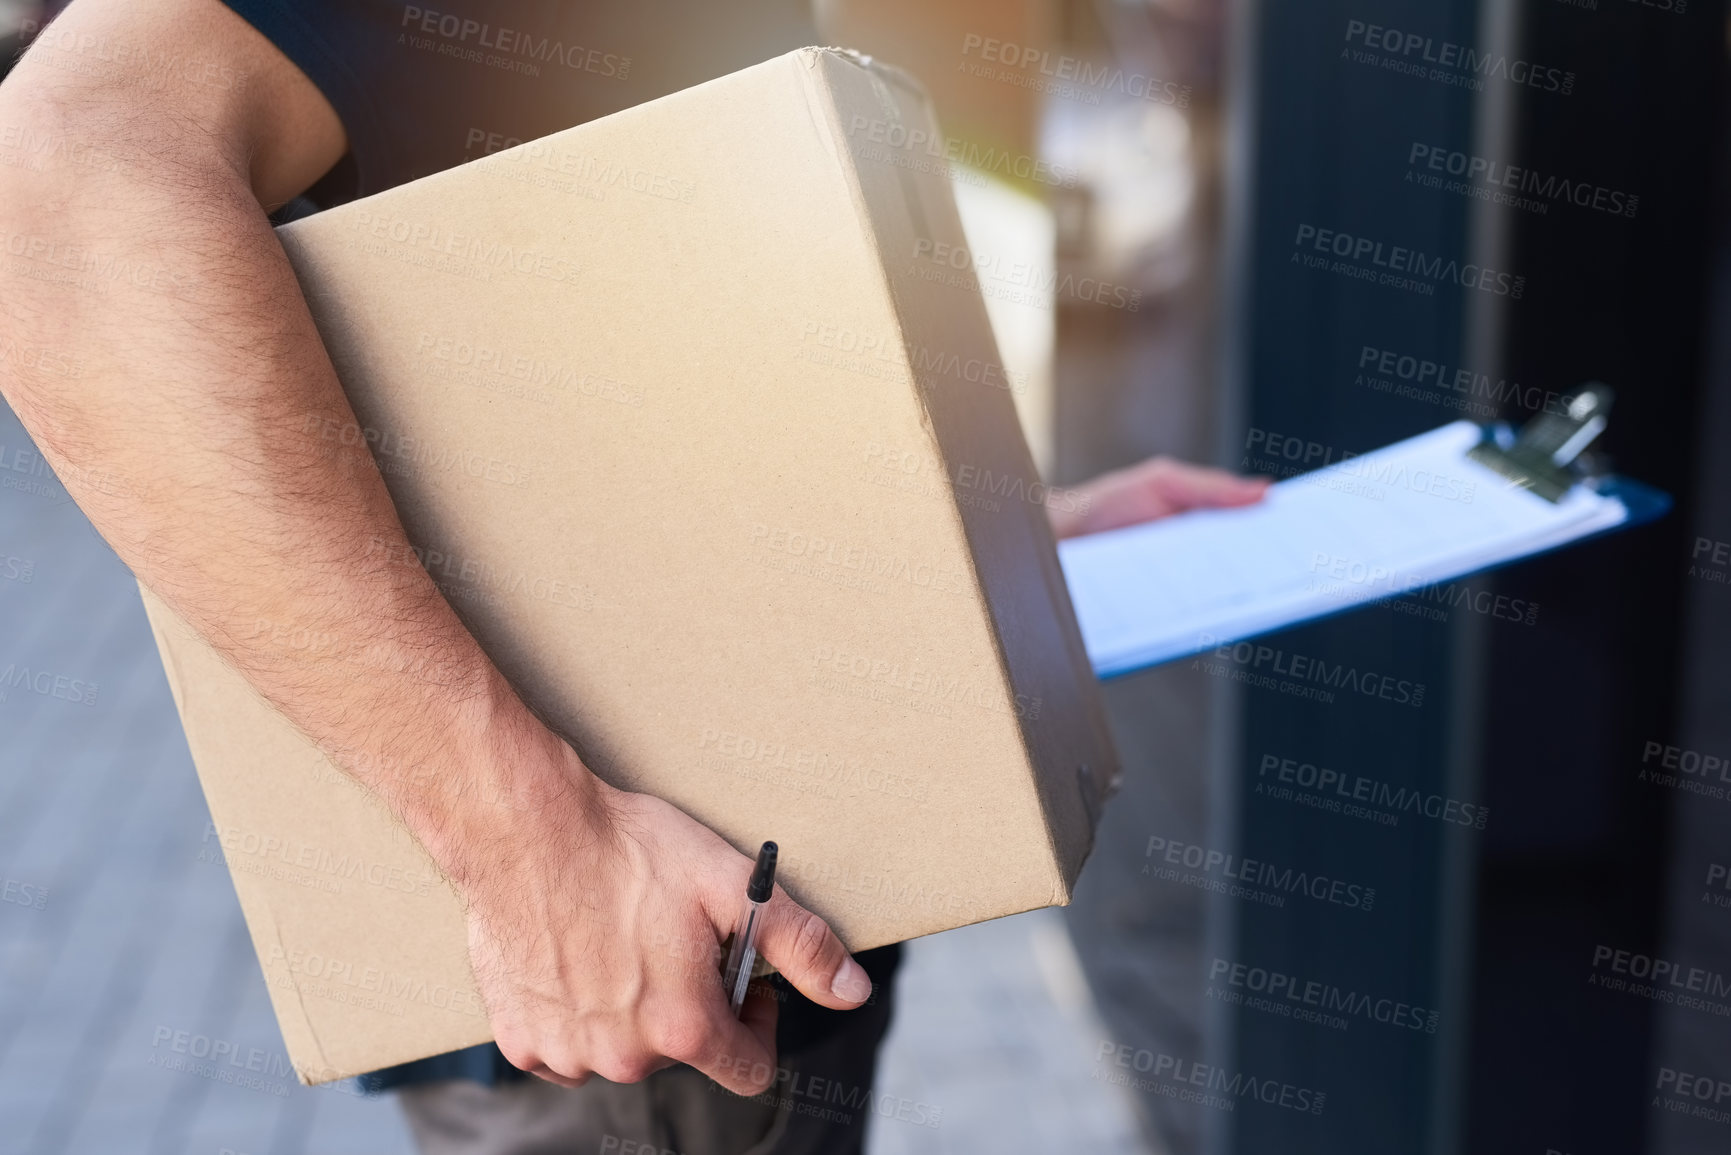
point(493, 786)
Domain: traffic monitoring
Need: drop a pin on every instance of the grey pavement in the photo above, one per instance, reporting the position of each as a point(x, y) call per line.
point(995, 1029)
point(133, 1015)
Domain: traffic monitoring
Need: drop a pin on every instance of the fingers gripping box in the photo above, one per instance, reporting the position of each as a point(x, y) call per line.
point(694, 414)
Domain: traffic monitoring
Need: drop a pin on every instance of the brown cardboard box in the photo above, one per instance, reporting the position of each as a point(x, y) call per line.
point(712, 452)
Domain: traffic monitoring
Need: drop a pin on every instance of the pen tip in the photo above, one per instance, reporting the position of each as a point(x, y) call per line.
point(763, 874)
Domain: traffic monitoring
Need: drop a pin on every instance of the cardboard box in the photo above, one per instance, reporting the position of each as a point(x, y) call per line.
point(968, 55)
point(711, 450)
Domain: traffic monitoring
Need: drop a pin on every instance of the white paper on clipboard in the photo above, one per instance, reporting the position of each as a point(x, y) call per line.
point(1400, 518)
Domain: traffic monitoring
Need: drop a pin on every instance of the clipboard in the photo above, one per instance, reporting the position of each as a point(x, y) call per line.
point(1417, 515)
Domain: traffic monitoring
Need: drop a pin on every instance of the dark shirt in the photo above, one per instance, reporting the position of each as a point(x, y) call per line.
point(422, 88)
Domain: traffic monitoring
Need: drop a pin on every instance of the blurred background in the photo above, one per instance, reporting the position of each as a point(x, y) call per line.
point(1494, 999)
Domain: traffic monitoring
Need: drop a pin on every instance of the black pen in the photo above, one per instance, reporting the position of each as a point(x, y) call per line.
point(743, 955)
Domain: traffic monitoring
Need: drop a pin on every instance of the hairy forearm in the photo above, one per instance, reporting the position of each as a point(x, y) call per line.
point(154, 342)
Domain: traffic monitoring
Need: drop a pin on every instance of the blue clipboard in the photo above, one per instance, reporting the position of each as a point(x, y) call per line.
point(1157, 593)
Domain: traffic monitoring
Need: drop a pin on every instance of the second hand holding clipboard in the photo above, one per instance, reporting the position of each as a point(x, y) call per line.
point(1454, 501)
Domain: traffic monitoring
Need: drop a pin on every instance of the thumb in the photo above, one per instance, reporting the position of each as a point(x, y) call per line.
point(801, 946)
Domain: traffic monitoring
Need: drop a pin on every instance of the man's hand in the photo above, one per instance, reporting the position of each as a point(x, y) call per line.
point(160, 353)
point(597, 944)
point(1150, 490)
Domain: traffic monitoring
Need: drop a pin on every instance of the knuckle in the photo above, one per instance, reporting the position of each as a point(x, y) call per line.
point(811, 939)
point(632, 1068)
point(683, 1037)
point(565, 1062)
point(518, 1053)
point(743, 1073)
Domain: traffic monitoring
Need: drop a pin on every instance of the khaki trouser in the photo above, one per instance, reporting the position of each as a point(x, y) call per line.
point(819, 1105)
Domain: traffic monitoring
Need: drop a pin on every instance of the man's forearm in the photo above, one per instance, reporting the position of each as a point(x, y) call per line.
point(155, 343)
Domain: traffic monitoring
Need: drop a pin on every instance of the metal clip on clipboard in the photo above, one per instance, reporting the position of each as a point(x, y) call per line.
point(1545, 456)
point(1152, 593)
